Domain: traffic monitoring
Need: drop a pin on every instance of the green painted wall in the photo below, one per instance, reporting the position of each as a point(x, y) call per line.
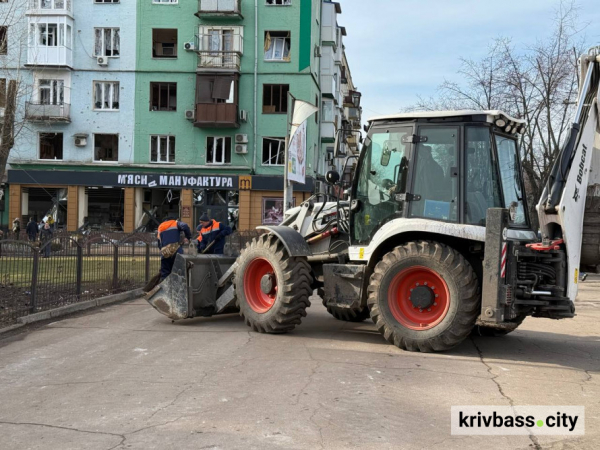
point(191, 141)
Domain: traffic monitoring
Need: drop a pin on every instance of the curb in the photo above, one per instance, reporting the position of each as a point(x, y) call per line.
point(69, 309)
point(11, 328)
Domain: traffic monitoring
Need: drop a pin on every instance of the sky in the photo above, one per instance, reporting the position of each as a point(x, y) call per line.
point(400, 49)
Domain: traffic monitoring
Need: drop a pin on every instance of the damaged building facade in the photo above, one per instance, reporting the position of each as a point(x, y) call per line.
point(181, 114)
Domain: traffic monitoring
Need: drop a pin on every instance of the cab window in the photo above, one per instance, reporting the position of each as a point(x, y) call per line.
point(383, 174)
point(482, 184)
point(436, 174)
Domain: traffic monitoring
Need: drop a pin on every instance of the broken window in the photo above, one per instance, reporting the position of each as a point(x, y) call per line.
point(215, 89)
point(163, 96)
point(51, 92)
point(106, 147)
point(51, 146)
point(162, 149)
point(218, 150)
point(106, 95)
point(277, 45)
point(275, 98)
point(107, 42)
point(273, 151)
point(164, 43)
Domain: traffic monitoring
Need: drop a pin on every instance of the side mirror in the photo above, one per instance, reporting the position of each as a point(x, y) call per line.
point(332, 177)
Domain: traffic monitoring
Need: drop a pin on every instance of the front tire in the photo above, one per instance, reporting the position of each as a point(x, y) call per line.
point(424, 296)
point(272, 288)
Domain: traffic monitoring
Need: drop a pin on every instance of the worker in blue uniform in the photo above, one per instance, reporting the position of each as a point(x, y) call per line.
point(169, 237)
point(212, 232)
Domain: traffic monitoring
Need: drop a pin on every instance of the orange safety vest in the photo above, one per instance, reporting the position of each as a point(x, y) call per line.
point(213, 226)
point(167, 225)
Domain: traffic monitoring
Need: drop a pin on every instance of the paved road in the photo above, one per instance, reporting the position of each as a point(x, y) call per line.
point(124, 377)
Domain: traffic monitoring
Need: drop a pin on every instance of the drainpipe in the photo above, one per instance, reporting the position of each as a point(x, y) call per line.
point(255, 85)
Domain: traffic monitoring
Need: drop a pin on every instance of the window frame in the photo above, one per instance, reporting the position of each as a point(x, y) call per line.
point(169, 85)
point(273, 47)
point(117, 89)
point(224, 158)
point(175, 45)
point(99, 161)
point(169, 138)
point(281, 142)
point(165, 2)
point(283, 99)
point(39, 145)
point(289, 3)
point(55, 84)
point(103, 41)
point(106, 2)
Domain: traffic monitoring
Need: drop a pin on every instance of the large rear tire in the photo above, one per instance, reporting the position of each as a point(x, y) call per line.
point(424, 296)
point(272, 289)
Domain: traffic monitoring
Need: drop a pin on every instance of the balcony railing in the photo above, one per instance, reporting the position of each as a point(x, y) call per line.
point(216, 115)
point(219, 50)
point(220, 8)
point(37, 112)
point(49, 7)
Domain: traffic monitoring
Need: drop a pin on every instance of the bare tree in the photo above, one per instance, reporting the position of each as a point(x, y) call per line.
point(537, 84)
point(15, 85)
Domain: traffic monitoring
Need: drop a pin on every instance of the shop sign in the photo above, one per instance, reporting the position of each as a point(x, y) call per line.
point(186, 212)
point(174, 181)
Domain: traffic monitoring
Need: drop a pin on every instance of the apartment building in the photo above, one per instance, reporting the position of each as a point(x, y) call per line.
point(142, 109)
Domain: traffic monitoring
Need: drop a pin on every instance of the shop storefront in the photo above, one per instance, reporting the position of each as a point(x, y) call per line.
point(129, 201)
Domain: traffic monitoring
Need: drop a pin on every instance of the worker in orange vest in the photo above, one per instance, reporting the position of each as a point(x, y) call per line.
point(169, 237)
point(211, 231)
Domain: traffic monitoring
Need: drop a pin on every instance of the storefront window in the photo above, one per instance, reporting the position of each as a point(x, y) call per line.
point(220, 205)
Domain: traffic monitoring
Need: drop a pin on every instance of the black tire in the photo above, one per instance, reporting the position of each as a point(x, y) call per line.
point(461, 298)
point(507, 327)
point(292, 280)
point(345, 314)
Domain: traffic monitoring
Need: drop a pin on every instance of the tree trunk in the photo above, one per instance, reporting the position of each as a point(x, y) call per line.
point(8, 127)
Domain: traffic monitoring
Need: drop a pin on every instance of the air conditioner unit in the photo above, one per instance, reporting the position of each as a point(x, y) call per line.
point(241, 149)
point(165, 49)
point(189, 46)
point(190, 114)
point(80, 141)
point(241, 138)
point(102, 60)
point(243, 115)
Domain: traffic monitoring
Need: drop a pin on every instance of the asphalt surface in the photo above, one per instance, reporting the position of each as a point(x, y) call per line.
point(124, 377)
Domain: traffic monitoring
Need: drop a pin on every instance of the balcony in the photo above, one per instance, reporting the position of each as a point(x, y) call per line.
point(49, 7)
point(59, 56)
point(37, 112)
point(219, 49)
point(216, 115)
point(230, 9)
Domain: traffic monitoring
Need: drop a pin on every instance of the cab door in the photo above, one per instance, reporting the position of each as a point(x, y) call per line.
point(383, 175)
point(435, 185)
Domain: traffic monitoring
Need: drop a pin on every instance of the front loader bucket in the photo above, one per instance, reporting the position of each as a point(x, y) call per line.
point(193, 288)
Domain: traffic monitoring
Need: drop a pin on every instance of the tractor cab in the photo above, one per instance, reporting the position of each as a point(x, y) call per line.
point(445, 167)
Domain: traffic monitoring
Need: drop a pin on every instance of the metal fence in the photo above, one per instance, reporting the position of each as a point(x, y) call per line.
point(71, 268)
